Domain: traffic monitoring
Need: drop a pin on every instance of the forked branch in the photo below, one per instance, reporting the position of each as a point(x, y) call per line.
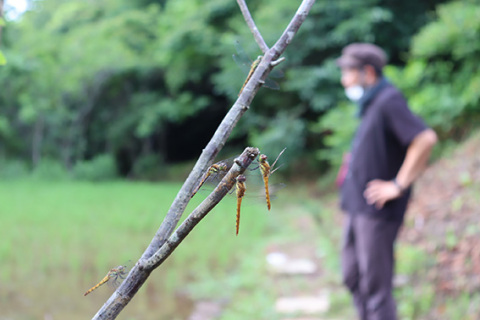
point(164, 240)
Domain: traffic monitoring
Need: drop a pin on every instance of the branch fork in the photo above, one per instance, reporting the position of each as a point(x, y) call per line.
point(166, 239)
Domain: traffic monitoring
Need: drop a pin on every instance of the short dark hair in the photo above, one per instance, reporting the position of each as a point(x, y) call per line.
point(358, 55)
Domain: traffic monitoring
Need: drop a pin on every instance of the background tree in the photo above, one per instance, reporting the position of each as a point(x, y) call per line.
point(162, 85)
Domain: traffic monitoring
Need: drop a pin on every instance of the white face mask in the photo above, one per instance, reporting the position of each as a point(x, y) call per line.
point(354, 93)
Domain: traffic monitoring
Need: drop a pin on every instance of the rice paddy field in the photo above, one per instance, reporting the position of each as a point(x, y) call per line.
point(58, 239)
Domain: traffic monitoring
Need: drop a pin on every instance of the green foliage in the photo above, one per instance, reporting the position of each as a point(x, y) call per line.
point(410, 260)
point(13, 169)
point(87, 78)
point(3, 61)
point(340, 124)
point(466, 306)
point(50, 169)
point(148, 167)
point(413, 303)
point(442, 78)
point(100, 168)
point(281, 132)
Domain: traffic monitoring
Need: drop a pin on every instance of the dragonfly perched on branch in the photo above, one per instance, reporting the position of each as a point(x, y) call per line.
point(114, 277)
point(240, 188)
point(218, 170)
point(266, 171)
point(248, 67)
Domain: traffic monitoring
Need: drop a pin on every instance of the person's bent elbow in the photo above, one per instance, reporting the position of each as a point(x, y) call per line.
point(430, 137)
point(427, 138)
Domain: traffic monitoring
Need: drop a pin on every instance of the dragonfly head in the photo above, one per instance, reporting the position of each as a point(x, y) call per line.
point(119, 269)
point(241, 178)
point(263, 158)
point(222, 166)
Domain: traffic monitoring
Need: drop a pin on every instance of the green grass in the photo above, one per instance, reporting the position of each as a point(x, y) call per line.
point(60, 238)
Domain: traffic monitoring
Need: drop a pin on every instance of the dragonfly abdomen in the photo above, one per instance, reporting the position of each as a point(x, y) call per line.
point(105, 279)
point(265, 169)
point(240, 190)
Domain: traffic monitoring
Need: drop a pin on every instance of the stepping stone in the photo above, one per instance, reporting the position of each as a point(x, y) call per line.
point(303, 304)
point(280, 263)
point(206, 310)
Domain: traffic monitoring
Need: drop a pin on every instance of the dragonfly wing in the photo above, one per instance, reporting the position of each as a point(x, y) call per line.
point(277, 73)
point(245, 67)
point(116, 280)
point(241, 53)
point(242, 64)
point(269, 83)
point(119, 274)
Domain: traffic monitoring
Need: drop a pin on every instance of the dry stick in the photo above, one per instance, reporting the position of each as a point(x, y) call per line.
point(251, 25)
point(139, 273)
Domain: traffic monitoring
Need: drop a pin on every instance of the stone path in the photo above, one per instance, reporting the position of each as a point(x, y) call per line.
point(308, 306)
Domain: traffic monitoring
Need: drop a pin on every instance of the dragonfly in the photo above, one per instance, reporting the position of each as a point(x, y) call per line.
point(218, 170)
point(113, 277)
point(240, 189)
point(214, 170)
point(266, 170)
point(249, 67)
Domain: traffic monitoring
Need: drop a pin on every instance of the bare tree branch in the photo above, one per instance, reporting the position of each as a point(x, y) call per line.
point(251, 24)
point(140, 272)
point(156, 252)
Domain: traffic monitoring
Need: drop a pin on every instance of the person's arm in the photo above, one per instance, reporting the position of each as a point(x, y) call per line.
point(378, 192)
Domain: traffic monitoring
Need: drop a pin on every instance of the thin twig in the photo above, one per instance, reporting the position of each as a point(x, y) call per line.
point(277, 62)
point(273, 54)
point(251, 25)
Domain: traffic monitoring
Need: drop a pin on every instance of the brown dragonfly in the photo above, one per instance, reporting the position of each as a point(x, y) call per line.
point(266, 171)
point(240, 188)
point(218, 170)
point(114, 277)
point(248, 67)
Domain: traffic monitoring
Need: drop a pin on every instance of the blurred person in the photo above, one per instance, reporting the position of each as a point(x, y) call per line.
point(390, 150)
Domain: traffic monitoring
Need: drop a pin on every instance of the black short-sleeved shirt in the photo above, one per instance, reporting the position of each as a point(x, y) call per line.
point(386, 130)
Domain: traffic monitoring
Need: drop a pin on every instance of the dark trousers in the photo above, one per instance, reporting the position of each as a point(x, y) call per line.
point(368, 264)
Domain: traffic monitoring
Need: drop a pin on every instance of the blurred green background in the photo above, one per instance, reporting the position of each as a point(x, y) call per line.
point(105, 106)
point(129, 88)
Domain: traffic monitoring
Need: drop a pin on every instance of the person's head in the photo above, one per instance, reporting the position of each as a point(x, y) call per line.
point(361, 65)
